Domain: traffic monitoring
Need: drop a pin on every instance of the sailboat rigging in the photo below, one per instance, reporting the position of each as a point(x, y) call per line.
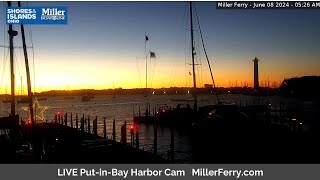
point(184, 115)
point(27, 70)
point(193, 65)
point(11, 123)
point(13, 118)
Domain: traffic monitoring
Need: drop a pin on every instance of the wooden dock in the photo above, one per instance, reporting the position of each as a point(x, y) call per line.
point(58, 143)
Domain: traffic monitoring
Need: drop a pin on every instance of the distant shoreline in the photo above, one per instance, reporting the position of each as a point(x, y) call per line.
point(151, 91)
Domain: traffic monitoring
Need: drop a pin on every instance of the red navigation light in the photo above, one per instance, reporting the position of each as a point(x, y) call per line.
point(132, 129)
point(29, 121)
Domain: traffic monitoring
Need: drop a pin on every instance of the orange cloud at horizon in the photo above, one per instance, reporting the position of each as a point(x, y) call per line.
point(127, 73)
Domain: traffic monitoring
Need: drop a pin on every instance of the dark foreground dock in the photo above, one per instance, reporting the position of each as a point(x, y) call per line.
point(56, 143)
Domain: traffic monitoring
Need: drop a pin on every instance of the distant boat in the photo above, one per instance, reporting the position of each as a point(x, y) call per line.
point(41, 99)
point(23, 100)
point(85, 98)
point(6, 100)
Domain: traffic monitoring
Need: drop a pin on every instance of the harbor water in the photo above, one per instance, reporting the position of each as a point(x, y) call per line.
point(122, 108)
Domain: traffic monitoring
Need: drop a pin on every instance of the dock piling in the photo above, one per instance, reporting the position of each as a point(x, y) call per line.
point(71, 121)
point(137, 134)
point(104, 128)
point(132, 135)
point(172, 144)
point(114, 130)
point(124, 133)
point(95, 126)
point(59, 117)
point(82, 123)
point(77, 121)
point(55, 118)
point(66, 119)
point(155, 138)
point(89, 124)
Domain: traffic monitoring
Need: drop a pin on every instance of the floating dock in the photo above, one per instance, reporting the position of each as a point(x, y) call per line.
point(58, 143)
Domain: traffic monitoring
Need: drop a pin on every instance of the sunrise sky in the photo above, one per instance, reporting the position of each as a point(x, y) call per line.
point(103, 45)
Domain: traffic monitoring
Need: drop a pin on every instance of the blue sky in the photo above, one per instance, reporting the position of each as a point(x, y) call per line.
point(107, 38)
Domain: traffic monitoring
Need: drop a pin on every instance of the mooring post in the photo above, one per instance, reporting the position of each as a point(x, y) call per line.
point(132, 135)
point(89, 124)
point(71, 121)
point(55, 118)
point(114, 130)
point(59, 117)
point(172, 143)
point(137, 134)
point(61, 122)
point(139, 111)
point(66, 119)
point(77, 121)
point(124, 133)
point(104, 128)
point(95, 125)
point(155, 138)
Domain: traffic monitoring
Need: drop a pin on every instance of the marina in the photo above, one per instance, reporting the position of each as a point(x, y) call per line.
point(197, 122)
point(121, 109)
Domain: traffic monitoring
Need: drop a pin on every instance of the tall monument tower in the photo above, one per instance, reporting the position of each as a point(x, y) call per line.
point(256, 73)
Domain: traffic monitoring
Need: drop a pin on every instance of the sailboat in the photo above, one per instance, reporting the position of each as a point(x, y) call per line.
point(186, 116)
point(85, 98)
point(183, 115)
point(11, 122)
point(7, 99)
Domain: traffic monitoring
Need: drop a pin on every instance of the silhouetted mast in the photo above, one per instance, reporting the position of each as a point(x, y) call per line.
point(193, 65)
point(12, 33)
point(27, 69)
point(145, 53)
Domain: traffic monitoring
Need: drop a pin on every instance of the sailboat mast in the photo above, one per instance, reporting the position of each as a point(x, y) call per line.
point(12, 33)
point(27, 70)
point(193, 65)
point(145, 53)
point(21, 85)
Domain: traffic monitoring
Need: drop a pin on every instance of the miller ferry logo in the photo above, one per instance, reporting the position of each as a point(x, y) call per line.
point(36, 15)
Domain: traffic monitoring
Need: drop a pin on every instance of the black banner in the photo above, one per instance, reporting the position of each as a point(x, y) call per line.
point(268, 5)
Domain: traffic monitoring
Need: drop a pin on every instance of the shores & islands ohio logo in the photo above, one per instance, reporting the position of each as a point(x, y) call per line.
point(36, 15)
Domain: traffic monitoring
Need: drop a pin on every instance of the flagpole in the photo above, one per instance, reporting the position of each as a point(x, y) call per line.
point(145, 53)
